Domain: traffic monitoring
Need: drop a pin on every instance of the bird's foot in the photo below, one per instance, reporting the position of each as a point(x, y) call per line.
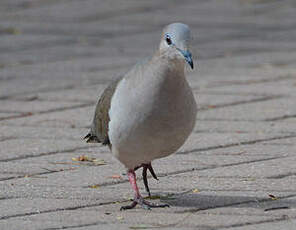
point(144, 204)
point(138, 198)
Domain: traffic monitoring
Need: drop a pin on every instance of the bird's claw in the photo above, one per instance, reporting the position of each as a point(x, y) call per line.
point(144, 204)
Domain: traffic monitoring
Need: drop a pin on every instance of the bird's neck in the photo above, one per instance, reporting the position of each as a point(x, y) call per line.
point(171, 63)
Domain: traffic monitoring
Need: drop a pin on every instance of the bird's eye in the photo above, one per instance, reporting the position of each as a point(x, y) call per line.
point(168, 40)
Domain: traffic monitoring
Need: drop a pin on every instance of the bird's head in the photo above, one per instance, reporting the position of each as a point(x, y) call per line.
point(175, 42)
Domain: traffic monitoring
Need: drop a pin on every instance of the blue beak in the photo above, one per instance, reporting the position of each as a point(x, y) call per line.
point(188, 57)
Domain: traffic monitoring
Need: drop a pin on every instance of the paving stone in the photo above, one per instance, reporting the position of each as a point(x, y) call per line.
point(85, 94)
point(22, 148)
point(32, 132)
point(271, 169)
point(35, 106)
point(281, 143)
point(285, 87)
point(267, 110)
point(283, 223)
point(72, 10)
point(71, 118)
point(211, 140)
point(286, 126)
point(8, 114)
point(265, 148)
point(25, 41)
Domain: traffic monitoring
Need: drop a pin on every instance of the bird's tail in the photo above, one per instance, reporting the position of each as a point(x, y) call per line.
point(91, 138)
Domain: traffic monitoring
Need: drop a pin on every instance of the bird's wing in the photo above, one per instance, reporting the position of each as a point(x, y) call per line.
point(99, 128)
point(100, 125)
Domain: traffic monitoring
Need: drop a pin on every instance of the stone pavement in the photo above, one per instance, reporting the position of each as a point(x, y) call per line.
point(237, 170)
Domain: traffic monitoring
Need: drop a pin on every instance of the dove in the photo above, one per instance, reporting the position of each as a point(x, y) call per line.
point(148, 112)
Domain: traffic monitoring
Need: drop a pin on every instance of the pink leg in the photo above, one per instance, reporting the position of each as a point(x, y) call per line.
point(138, 199)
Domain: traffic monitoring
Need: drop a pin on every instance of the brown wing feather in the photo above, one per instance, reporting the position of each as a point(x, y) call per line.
point(100, 125)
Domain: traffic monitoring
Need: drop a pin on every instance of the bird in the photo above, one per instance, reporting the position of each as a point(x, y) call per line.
point(148, 112)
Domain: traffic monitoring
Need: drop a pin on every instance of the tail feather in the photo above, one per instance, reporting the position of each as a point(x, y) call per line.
point(91, 138)
point(87, 136)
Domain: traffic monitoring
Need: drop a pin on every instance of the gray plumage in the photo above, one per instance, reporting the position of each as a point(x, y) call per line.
point(150, 111)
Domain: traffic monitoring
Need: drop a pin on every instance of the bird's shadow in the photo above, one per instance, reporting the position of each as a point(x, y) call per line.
point(197, 201)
